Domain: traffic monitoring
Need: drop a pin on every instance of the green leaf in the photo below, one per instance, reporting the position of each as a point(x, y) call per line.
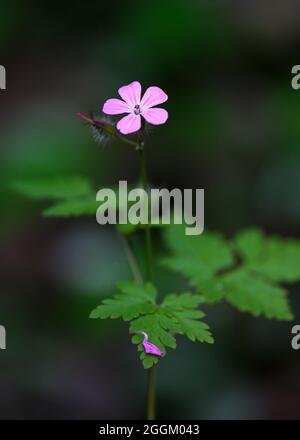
point(182, 309)
point(254, 294)
point(274, 257)
point(132, 300)
point(182, 301)
point(249, 244)
point(177, 314)
point(75, 197)
point(198, 258)
point(209, 250)
point(192, 267)
point(190, 326)
point(73, 208)
point(77, 206)
point(212, 289)
point(281, 261)
point(53, 188)
point(245, 273)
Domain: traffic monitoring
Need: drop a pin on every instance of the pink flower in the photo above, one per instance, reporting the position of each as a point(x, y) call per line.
point(136, 107)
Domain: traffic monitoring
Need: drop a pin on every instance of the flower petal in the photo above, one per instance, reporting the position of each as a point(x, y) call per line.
point(153, 96)
point(129, 124)
point(115, 107)
point(131, 93)
point(152, 349)
point(155, 116)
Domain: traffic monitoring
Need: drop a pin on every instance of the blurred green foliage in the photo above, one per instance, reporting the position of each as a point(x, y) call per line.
point(233, 130)
point(245, 272)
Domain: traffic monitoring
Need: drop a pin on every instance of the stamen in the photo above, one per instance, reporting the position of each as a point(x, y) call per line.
point(137, 109)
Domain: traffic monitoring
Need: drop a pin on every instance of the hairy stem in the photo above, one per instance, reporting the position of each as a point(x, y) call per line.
point(108, 128)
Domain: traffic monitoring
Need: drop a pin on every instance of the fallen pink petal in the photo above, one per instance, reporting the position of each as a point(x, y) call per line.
point(148, 346)
point(137, 107)
point(152, 349)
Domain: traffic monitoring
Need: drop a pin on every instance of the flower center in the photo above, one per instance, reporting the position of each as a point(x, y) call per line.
point(137, 109)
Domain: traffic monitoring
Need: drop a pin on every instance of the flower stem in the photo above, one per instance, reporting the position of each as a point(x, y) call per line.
point(108, 128)
point(132, 260)
point(151, 404)
point(147, 228)
point(151, 392)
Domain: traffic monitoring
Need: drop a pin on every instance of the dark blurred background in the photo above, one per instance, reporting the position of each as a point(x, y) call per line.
point(233, 129)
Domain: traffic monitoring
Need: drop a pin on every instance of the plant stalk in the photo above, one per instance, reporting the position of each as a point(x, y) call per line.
point(132, 260)
point(108, 128)
point(147, 228)
point(151, 391)
point(151, 394)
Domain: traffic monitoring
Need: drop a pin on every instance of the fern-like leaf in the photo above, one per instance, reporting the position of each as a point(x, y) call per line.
point(177, 314)
point(53, 187)
point(245, 272)
point(132, 300)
